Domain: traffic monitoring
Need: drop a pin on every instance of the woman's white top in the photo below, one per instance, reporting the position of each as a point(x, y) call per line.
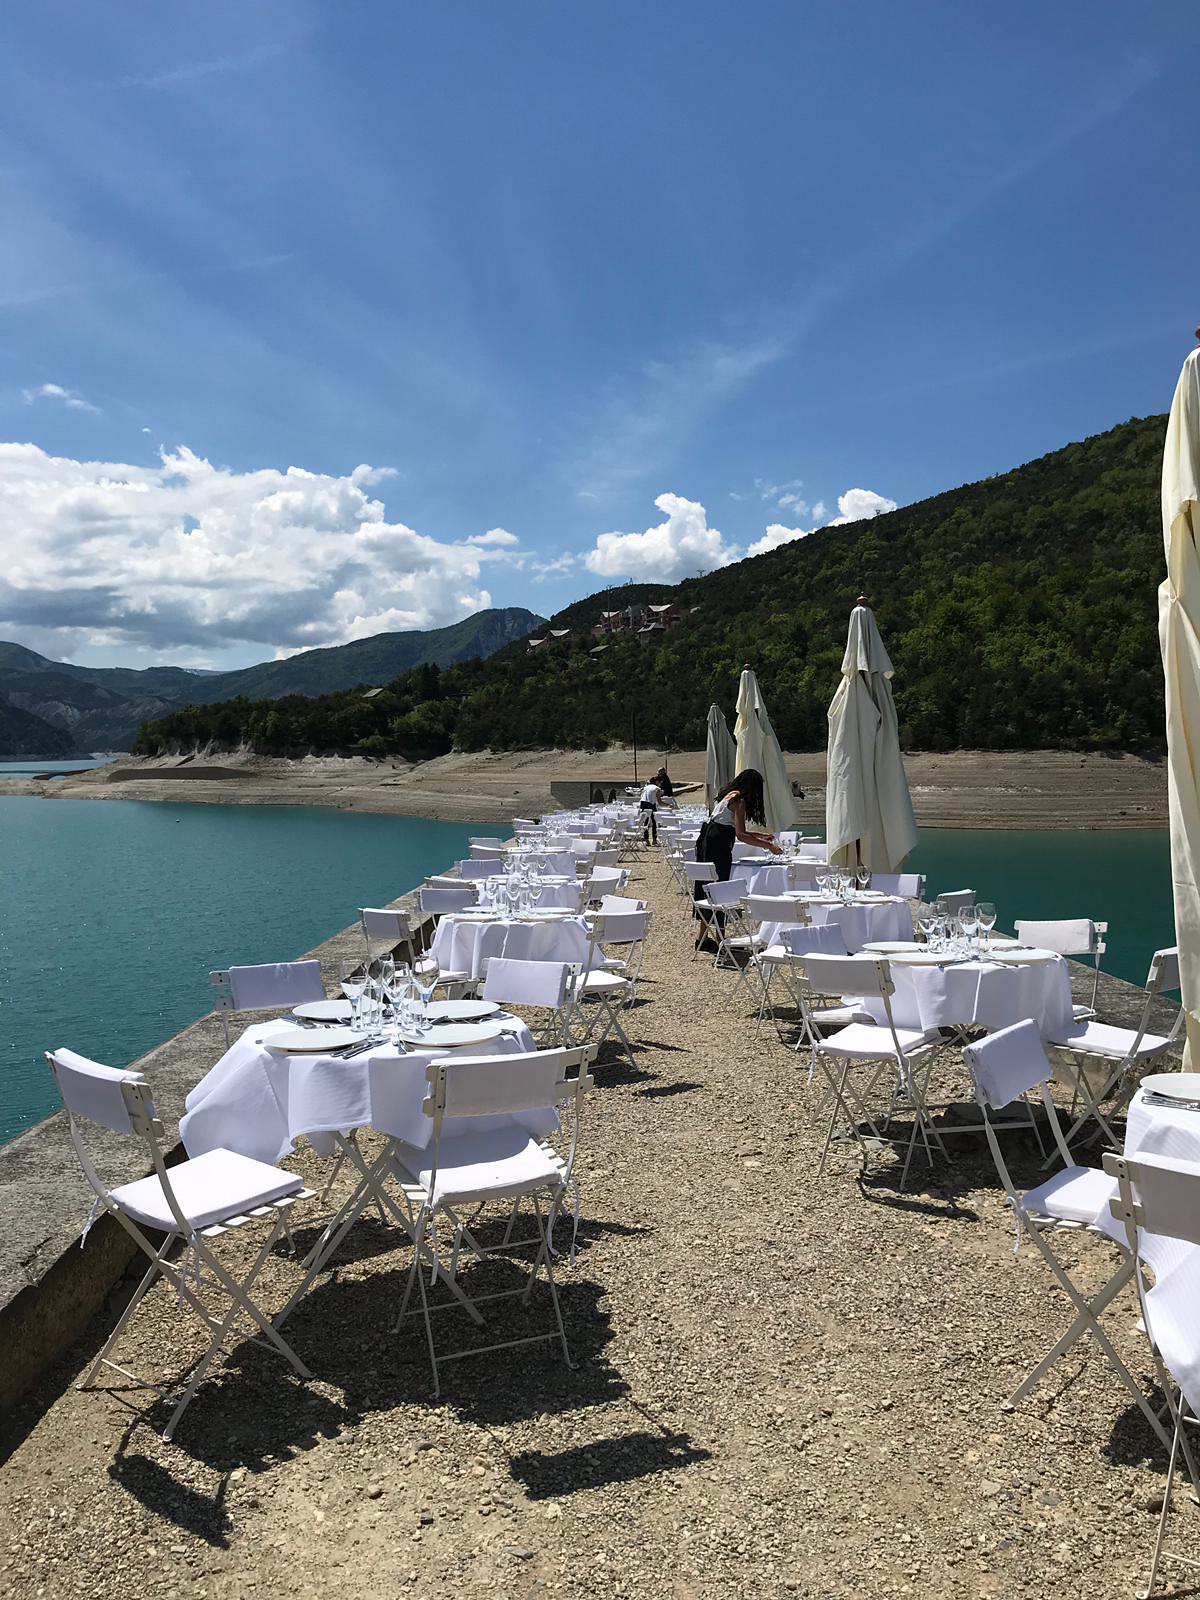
point(650, 795)
point(722, 815)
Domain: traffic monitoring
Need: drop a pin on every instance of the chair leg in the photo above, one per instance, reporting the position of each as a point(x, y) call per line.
point(139, 1293)
point(1166, 1507)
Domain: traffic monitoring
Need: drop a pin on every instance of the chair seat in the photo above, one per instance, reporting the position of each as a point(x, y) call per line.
point(486, 1164)
point(598, 982)
point(209, 1188)
point(1082, 1013)
point(1076, 1194)
point(1103, 1039)
point(839, 1016)
point(868, 1041)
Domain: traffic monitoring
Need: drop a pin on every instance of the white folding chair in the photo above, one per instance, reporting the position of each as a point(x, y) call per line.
point(723, 909)
point(544, 985)
point(957, 899)
point(1158, 1199)
point(490, 846)
point(392, 927)
point(437, 902)
point(1077, 937)
point(605, 880)
point(481, 867)
point(873, 1049)
point(1007, 1067)
point(1123, 1054)
point(694, 873)
point(603, 858)
point(763, 959)
point(502, 1162)
point(194, 1201)
point(910, 885)
point(817, 1012)
point(610, 982)
point(275, 986)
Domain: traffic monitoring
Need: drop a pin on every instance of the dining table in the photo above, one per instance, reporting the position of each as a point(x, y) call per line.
point(463, 942)
point(938, 989)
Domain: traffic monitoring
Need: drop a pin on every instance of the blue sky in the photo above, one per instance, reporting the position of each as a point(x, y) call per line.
point(558, 272)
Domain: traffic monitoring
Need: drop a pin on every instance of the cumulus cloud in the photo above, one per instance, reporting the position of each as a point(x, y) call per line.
point(186, 555)
point(557, 567)
point(682, 545)
point(55, 391)
point(494, 538)
point(853, 506)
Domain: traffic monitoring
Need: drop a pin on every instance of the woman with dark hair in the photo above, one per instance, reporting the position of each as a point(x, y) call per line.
point(739, 802)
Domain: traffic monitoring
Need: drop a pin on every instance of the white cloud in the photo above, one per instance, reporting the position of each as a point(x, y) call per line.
point(55, 391)
point(857, 504)
point(682, 545)
point(494, 538)
point(555, 568)
point(853, 506)
point(185, 555)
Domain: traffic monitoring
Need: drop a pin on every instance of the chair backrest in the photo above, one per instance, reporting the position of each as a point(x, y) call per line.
point(1008, 1064)
point(620, 927)
point(604, 879)
point(1066, 937)
point(488, 851)
point(523, 822)
point(482, 867)
point(1157, 1194)
point(806, 940)
point(604, 858)
point(271, 986)
point(699, 871)
point(775, 908)
point(560, 863)
point(869, 976)
point(484, 842)
point(561, 896)
point(526, 983)
point(911, 885)
point(381, 922)
point(437, 902)
point(957, 899)
point(95, 1092)
point(1163, 977)
point(614, 904)
point(731, 893)
point(490, 1086)
point(815, 851)
point(442, 881)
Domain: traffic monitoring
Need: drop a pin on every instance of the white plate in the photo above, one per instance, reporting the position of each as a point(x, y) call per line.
point(473, 913)
point(1021, 956)
point(1173, 1085)
point(311, 1041)
point(453, 1035)
point(462, 1010)
point(549, 911)
point(323, 1010)
point(893, 947)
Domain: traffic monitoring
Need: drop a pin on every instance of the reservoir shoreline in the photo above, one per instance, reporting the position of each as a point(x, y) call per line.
point(1050, 789)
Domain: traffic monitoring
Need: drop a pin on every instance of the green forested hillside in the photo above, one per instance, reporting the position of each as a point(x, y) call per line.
point(1020, 612)
point(23, 734)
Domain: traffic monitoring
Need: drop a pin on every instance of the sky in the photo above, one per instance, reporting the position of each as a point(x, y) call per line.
point(319, 320)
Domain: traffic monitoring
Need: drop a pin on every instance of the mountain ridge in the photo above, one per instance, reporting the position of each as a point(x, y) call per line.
point(101, 708)
point(1020, 612)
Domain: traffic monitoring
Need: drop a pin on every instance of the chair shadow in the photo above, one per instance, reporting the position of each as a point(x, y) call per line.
point(1131, 1441)
point(150, 1483)
point(659, 1091)
point(616, 1460)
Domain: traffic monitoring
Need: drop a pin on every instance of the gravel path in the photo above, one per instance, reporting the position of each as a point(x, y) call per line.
point(785, 1385)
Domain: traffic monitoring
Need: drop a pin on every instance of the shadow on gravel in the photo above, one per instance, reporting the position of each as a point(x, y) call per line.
point(659, 1091)
point(616, 1460)
point(150, 1483)
point(1131, 1442)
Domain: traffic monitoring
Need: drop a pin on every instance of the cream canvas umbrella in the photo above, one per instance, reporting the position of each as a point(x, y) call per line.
point(868, 812)
point(1179, 636)
point(720, 757)
point(758, 747)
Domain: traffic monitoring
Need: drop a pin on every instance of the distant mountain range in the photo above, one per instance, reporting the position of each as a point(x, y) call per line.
point(56, 708)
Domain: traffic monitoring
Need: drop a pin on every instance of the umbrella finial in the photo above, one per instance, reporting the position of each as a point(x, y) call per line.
point(1197, 333)
point(862, 600)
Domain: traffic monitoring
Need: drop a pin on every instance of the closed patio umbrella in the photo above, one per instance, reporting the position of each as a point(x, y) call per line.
point(1179, 636)
point(758, 747)
point(868, 812)
point(720, 756)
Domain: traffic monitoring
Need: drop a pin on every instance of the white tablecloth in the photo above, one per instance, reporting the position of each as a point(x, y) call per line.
point(259, 1103)
point(860, 924)
point(464, 944)
point(982, 994)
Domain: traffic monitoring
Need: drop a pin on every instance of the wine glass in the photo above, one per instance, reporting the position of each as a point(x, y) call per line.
point(986, 912)
point(353, 981)
point(924, 920)
point(969, 918)
point(863, 875)
point(427, 978)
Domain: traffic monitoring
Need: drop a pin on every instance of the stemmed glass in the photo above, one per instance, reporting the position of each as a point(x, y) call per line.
point(925, 920)
point(426, 983)
point(986, 912)
point(863, 875)
point(969, 918)
point(354, 981)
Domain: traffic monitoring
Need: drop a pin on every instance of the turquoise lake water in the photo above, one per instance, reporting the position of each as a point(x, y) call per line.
point(113, 913)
